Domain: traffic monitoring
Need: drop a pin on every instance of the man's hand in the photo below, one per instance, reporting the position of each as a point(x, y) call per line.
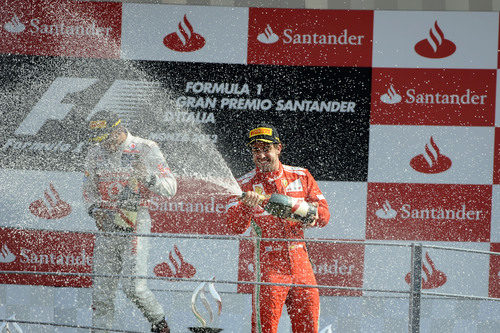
point(312, 224)
point(251, 199)
point(100, 216)
point(140, 172)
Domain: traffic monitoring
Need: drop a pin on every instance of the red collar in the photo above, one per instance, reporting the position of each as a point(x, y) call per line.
point(270, 176)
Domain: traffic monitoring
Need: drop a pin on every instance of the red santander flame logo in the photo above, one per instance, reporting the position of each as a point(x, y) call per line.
point(432, 161)
point(435, 45)
point(6, 255)
point(14, 25)
point(391, 97)
point(184, 39)
point(182, 269)
point(268, 36)
point(53, 207)
point(434, 278)
point(386, 212)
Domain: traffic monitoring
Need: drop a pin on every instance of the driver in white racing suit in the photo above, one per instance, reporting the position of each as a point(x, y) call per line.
point(120, 171)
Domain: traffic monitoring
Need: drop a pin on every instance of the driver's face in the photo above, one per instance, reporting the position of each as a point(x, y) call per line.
point(114, 139)
point(266, 155)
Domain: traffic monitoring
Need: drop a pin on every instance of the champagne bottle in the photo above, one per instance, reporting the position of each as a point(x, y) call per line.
point(127, 206)
point(290, 208)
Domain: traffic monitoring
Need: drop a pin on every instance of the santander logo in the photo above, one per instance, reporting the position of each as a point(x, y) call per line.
point(429, 213)
point(182, 269)
point(6, 255)
point(40, 25)
point(434, 278)
point(391, 97)
point(53, 207)
point(268, 36)
point(184, 39)
point(386, 212)
point(14, 25)
point(435, 45)
point(432, 161)
point(332, 268)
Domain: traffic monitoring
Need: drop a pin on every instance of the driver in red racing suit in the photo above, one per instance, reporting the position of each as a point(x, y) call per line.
point(120, 163)
point(278, 261)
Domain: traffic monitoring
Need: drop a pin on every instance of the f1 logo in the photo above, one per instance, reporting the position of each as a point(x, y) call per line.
point(50, 105)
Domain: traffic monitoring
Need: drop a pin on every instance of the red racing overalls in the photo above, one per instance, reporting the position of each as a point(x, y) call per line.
point(279, 261)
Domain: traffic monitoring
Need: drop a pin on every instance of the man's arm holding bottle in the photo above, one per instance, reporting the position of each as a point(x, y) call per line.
point(153, 172)
point(315, 196)
point(239, 213)
point(313, 212)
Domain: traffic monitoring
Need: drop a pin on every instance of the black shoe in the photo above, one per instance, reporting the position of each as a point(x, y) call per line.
point(160, 327)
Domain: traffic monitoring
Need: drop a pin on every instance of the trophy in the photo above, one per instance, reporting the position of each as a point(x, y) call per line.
point(5, 325)
point(199, 292)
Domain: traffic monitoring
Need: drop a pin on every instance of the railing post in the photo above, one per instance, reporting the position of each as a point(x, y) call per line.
point(415, 288)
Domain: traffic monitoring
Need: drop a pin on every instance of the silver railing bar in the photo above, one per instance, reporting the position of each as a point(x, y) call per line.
point(415, 289)
point(479, 298)
point(173, 279)
point(146, 277)
point(215, 237)
point(459, 249)
point(29, 322)
point(240, 237)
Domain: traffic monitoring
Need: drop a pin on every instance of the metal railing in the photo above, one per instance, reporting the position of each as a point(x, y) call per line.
point(414, 293)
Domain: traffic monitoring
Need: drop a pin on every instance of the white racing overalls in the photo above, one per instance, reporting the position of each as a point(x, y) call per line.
point(106, 175)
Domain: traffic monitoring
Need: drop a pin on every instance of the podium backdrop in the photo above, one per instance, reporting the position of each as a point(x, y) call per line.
point(394, 113)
